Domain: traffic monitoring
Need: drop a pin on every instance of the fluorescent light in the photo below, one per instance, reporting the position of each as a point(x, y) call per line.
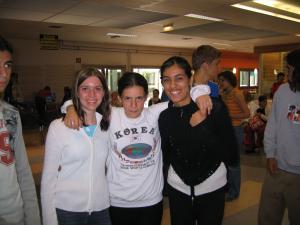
point(279, 5)
point(298, 35)
point(203, 17)
point(223, 44)
point(252, 9)
point(121, 35)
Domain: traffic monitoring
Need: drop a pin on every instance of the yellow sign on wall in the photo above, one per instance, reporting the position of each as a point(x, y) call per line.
point(49, 42)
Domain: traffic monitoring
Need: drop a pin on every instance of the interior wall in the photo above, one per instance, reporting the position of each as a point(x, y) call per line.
point(270, 62)
point(37, 68)
point(240, 61)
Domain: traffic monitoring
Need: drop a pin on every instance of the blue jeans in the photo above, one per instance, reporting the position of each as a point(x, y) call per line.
point(83, 218)
point(234, 172)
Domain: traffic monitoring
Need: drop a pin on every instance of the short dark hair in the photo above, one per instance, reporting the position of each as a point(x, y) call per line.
point(5, 46)
point(104, 107)
point(176, 60)
point(262, 98)
point(204, 53)
point(280, 74)
point(155, 90)
point(130, 79)
point(293, 59)
point(229, 77)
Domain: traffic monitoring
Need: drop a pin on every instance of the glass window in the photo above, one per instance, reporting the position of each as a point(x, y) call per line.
point(248, 78)
point(111, 73)
point(152, 76)
point(112, 76)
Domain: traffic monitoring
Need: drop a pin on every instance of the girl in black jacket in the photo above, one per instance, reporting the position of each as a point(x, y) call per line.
point(196, 149)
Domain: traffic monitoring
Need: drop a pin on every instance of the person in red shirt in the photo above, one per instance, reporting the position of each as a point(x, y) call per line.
point(275, 86)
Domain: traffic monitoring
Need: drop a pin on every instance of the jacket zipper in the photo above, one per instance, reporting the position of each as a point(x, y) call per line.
point(91, 175)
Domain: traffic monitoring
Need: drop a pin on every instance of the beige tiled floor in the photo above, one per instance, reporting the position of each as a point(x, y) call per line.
point(242, 211)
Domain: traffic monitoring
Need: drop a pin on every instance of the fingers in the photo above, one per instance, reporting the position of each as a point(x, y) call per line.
point(72, 123)
point(197, 118)
point(206, 106)
point(209, 106)
point(67, 122)
point(76, 124)
point(272, 166)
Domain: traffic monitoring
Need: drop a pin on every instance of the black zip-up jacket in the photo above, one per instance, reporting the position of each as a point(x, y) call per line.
point(196, 152)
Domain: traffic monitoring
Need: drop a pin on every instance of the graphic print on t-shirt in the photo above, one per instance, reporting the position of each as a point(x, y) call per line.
point(294, 114)
point(136, 151)
point(135, 147)
point(6, 154)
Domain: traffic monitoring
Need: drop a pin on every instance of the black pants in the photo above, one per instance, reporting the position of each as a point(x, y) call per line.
point(150, 215)
point(207, 209)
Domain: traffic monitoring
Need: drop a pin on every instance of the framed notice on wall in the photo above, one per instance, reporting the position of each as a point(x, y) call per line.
point(49, 42)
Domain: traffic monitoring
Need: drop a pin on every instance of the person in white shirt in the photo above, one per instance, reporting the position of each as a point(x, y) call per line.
point(281, 188)
point(74, 188)
point(18, 199)
point(255, 127)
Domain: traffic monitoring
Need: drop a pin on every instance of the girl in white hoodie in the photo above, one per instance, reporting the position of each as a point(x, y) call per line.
point(74, 189)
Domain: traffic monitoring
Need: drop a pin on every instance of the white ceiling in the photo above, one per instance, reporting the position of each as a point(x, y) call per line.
point(91, 20)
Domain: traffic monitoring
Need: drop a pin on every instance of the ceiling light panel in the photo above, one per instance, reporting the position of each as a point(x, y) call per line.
point(121, 35)
point(265, 9)
point(202, 17)
point(279, 5)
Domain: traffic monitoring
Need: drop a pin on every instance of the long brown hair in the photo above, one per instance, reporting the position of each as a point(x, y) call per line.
point(104, 107)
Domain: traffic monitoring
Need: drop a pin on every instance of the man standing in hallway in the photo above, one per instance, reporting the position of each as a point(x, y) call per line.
point(281, 188)
point(18, 200)
point(276, 85)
